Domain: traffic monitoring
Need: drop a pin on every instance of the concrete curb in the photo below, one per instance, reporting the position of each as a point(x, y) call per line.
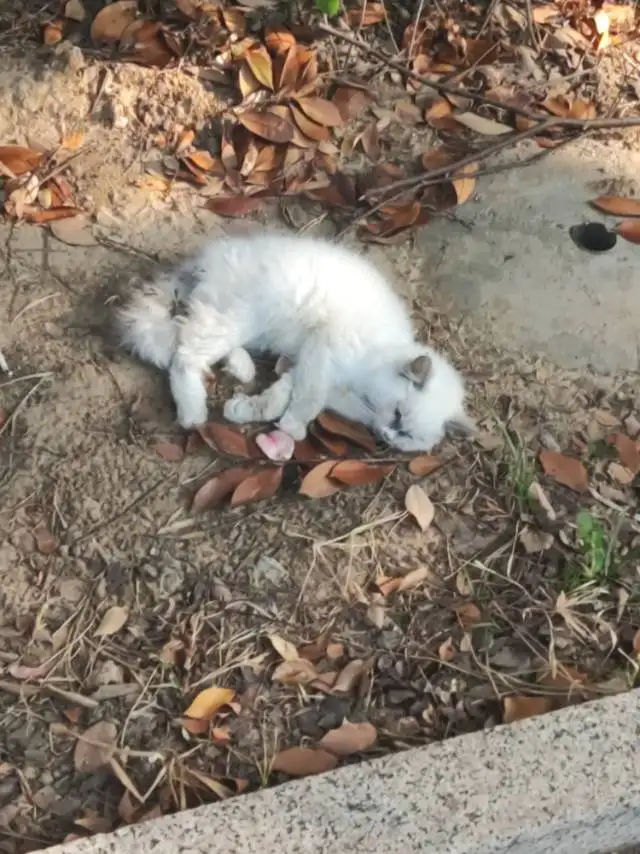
point(567, 783)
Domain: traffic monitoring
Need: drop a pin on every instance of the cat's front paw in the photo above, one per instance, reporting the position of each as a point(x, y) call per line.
point(292, 427)
point(192, 417)
point(239, 409)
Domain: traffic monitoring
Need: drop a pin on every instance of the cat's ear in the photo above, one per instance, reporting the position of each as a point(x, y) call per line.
point(460, 426)
point(417, 370)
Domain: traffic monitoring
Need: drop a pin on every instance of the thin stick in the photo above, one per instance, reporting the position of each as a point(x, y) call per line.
point(593, 124)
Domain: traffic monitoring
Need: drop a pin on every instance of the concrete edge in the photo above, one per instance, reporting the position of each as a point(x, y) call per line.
point(567, 783)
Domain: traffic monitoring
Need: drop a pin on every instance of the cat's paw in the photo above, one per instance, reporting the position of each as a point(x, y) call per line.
point(193, 417)
point(239, 409)
point(241, 366)
point(292, 427)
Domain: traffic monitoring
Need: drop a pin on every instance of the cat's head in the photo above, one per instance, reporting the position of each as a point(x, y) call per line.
point(417, 400)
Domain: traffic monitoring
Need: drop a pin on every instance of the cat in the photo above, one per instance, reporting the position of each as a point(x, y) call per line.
point(347, 334)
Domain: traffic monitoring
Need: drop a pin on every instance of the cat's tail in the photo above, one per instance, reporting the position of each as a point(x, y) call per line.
point(146, 323)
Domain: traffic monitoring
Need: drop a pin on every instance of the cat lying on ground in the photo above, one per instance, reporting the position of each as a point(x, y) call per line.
point(325, 308)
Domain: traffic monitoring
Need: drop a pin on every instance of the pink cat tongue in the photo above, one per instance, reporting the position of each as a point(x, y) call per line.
point(276, 446)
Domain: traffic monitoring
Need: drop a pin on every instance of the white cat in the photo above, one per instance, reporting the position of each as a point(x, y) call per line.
point(324, 307)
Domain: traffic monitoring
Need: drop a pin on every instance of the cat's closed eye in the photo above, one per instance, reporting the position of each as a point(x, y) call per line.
point(396, 424)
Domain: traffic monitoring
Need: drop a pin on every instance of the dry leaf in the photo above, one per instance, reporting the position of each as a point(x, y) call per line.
point(276, 445)
point(321, 111)
point(311, 129)
point(208, 702)
point(288, 69)
point(284, 648)
point(354, 432)
point(565, 470)
point(169, 451)
point(194, 726)
point(46, 542)
point(468, 614)
point(53, 32)
point(297, 672)
point(369, 14)
point(279, 40)
point(335, 651)
point(349, 738)
point(628, 453)
point(233, 206)
point(262, 484)
point(351, 101)
point(479, 124)
point(418, 505)
point(616, 205)
point(413, 578)
point(259, 62)
point(90, 757)
point(112, 621)
point(535, 541)
point(203, 160)
point(376, 610)
point(18, 159)
point(267, 125)
point(225, 439)
point(73, 141)
point(317, 483)
point(636, 644)
point(446, 650)
point(620, 474)
point(303, 761)
point(359, 472)
point(217, 488)
point(441, 108)
point(51, 215)
point(74, 231)
point(111, 21)
point(210, 783)
point(581, 109)
point(350, 675)
point(424, 464)
point(247, 82)
point(464, 182)
point(546, 12)
point(74, 10)
point(370, 141)
point(23, 672)
point(517, 708)
point(629, 229)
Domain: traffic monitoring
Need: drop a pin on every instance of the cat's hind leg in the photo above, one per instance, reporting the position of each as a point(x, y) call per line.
point(267, 406)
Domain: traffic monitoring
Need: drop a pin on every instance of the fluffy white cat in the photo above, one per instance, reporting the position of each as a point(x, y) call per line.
point(327, 309)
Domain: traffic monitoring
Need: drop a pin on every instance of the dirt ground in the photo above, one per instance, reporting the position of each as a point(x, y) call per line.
point(517, 606)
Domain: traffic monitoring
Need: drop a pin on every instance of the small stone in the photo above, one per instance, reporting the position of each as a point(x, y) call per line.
point(268, 572)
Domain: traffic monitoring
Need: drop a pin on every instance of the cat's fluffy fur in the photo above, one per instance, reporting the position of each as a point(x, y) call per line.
point(327, 309)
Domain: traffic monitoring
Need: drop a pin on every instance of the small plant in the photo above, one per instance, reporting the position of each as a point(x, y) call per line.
point(520, 469)
point(328, 7)
point(597, 547)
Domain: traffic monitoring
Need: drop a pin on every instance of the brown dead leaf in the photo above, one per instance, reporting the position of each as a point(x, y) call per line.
point(259, 62)
point(23, 672)
point(46, 542)
point(309, 128)
point(303, 761)
point(285, 649)
point(359, 472)
point(194, 726)
point(439, 109)
point(557, 106)
point(75, 11)
point(321, 111)
point(53, 32)
point(404, 582)
point(351, 101)
point(299, 671)
point(464, 182)
point(225, 439)
point(169, 451)
point(95, 747)
point(376, 610)
point(616, 205)
point(74, 231)
point(351, 430)
point(581, 109)
point(19, 159)
point(208, 702)
point(620, 474)
point(73, 141)
point(518, 708)
point(418, 505)
point(112, 621)
point(480, 124)
point(112, 20)
point(565, 470)
point(424, 464)
point(446, 650)
point(350, 675)
point(267, 125)
point(263, 484)
point(349, 738)
point(318, 483)
point(204, 160)
point(370, 141)
point(546, 12)
point(335, 651)
point(234, 20)
point(468, 614)
point(233, 206)
point(279, 40)
point(217, 488)
point(247, 82)
point(367, 16)
point(636, 644)
point(628, 453)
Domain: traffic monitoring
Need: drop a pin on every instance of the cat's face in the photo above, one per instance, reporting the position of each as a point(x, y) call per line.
point(415, 403)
